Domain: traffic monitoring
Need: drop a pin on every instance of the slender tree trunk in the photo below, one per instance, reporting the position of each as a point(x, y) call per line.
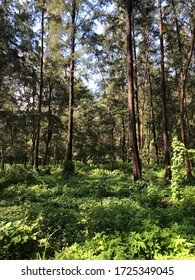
point(164, 99)
point(2, 158)
point(131, 105)
point(123, 140)
point(183, 79)
point(136, 92)
point(151, 96)
point(33, 125)
point(148, 141)
point(40, 92)
point(141, 143)
point(49, 132)
point(112, 143)
point(71, 84)
point(183, 120)
point(153, 118)
point(26, 147)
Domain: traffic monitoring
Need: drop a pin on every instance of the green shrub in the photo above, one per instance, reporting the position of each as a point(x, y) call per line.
point(153, 244)
point(16, 174)
point(20, 240)
point(95, 214)
point(68, 168)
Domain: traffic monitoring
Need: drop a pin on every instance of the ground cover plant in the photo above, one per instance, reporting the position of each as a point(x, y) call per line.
point(98, 212)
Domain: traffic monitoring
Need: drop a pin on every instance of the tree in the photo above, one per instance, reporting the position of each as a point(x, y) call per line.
point(53, 72)
point(184, 64)
point(131, 106)
point(163, 93)
point(71, 81)
point(42, 8)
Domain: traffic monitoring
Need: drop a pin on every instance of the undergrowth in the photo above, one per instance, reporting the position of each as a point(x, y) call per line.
point(96, 212)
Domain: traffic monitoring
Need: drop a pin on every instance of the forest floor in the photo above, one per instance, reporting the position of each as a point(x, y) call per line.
point(96, 213)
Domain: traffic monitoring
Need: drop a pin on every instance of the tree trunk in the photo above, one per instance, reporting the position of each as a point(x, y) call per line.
point(151, 96)
point(33, 121)
point(140, 141)
point(153, 119)
point(2, 158)
point(71, 84)
point(164, 99)
point(123, 140)
point(49, 132)
point(183, 120)
point(183, 79)
point(112, 143)
point(40, 92)
point(131, 105)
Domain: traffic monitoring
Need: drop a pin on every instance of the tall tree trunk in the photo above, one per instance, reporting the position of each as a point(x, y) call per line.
point(151, 97)
point(2, 165)
point(33, 121)
point(123, 140)
point(140, 142)
point(148, 141)
point(71, 84)
point(164, 99)
point(153, 118)
point(40, 92)
point(49, 132)
point(183, 120)
point(112, 143)
point(183, 79)
point(131, 105)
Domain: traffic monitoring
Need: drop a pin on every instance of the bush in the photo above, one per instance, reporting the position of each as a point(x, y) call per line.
point(68, 168)
point(20, 240)
point(153, 244)
point(16, 174)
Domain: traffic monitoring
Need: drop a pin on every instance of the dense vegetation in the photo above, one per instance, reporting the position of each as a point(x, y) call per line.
point(98, 212)
point(97, 133)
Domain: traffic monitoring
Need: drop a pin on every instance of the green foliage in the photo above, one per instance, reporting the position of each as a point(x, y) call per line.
point(68, 168)
point(153, 244)
point(15, 174)
point(96, 214)
point(177, 158)
point(177, 167)
point(19, 240)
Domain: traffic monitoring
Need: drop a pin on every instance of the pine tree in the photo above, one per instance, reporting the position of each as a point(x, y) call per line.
point(131, 106)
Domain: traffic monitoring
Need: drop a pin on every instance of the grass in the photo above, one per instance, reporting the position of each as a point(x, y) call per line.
point(97, 213)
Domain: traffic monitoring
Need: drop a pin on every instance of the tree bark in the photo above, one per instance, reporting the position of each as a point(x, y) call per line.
point(153, 118)
point(140, 140)
point(183, 80)
point(71, 83)
point(131, 105)
point(2, 165)
point(33, 121)
point(49, 132)
point(151, 99)
point(164, 98)
point(40, 92)
point(123, 140)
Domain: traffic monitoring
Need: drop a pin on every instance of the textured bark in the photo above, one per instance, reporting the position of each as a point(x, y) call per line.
point(40, 92)
point(2, 164)
point(71, 84)
point(183, 79)
point(123, 140)
point(33, 121)
point(131, 105)
point(140, 138)
point(153, 118)
point(49, 132)
point(164, 98)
